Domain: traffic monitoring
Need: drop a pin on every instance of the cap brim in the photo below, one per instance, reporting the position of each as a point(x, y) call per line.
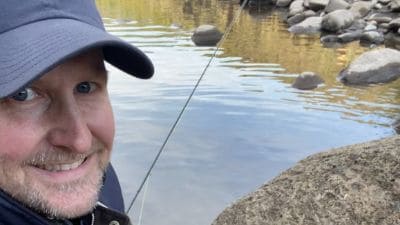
point(30, 51)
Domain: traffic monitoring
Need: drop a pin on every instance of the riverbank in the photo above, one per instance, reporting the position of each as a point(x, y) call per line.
point(372, 22)
point(352, 185)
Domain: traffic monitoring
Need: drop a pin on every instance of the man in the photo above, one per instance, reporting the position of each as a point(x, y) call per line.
point(56, 122)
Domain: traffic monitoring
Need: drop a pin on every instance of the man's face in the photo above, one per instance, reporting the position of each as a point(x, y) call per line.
point(56, 138)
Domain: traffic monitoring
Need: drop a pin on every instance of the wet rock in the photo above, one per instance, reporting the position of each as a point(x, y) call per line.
point(311, 25)
point(337, 20)
point(307, 81)
point(349, 36)
point(334, 5)
point(352, 185)
point(372, 37)
point(296, 7)
point(376, 66)
point(296, 19)
point(329, 38)
point(206, 35)
point(361, 8)
point(283, 3)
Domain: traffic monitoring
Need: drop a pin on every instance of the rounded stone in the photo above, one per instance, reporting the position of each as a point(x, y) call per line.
point(307, 81)
point(206, 35)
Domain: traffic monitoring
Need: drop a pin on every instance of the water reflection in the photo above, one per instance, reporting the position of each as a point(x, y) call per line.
point(245, 124)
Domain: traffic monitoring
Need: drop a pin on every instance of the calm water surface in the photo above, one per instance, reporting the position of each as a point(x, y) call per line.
point(245, 123)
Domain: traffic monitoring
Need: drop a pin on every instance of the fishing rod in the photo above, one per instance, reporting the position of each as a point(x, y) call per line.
point(172, 129)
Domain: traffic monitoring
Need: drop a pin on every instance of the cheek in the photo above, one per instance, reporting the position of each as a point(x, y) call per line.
point(102, 125)
point(18, 141)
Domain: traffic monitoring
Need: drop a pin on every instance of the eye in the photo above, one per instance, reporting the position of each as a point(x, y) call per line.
point(85, 87)
point(25, 94)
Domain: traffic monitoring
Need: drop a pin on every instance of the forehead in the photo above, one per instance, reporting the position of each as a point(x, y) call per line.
point(88, 64)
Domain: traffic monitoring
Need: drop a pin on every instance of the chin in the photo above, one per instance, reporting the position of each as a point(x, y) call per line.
point(69, 200)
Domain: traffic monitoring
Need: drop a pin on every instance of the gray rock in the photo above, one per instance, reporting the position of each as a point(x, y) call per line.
point(378, 6)
point(352, 185)
point(372, 37)
point(317, 4)
point(380, 18)
point(337, 20)
point(309, 13)
point(307, 81)
point(334, 5)
point(283, 3)
point(384, 2)
point(395, 5)
point(384, 26)
point(376, 66)
point(349, 36)
point(329, 38)
point(394, 24)
point(370, 27)
point(296, 19)
point(358, 24)
point(296, 7)
point(311, 25)
point(392, 40)
point(361, 8)
point(206, 35)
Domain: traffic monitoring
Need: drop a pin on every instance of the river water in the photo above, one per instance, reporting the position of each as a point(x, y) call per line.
point(245, 124)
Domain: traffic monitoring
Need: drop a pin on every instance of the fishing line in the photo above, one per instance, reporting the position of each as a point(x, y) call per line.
point(143, 199)
point(171, 131)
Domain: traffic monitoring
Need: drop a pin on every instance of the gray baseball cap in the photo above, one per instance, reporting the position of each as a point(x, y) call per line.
point(37, 35)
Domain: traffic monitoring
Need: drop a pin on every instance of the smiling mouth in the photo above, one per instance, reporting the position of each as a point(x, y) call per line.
point(58, 167)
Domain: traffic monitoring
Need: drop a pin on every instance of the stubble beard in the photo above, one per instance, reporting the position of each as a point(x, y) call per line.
point(66, 200)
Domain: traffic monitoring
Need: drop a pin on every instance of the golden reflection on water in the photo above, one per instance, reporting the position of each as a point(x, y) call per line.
point(263, 38)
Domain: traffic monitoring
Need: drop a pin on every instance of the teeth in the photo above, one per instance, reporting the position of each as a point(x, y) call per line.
point(61, 167)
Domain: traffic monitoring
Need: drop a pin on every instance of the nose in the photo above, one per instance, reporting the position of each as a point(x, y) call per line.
point(69, 128)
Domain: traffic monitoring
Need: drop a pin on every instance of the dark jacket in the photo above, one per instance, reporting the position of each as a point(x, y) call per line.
point(111, 209)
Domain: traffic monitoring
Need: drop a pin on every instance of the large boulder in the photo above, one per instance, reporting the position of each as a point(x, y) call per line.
point(376, 66)
point(310, 25)
point(353, 185)
point(337, 20)
point(206, 35)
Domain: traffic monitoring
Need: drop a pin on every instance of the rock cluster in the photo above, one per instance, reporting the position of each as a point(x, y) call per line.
point(353, 185)
point(370, 21)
